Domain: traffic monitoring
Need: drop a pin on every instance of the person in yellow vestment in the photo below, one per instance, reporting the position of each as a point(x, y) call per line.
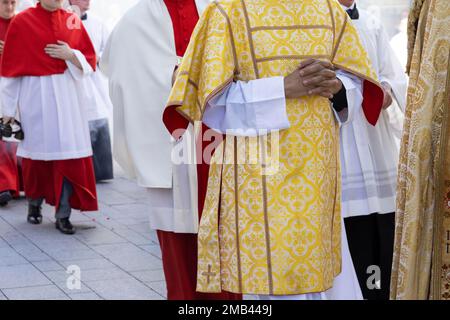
point(421, 268)
point(271, 218)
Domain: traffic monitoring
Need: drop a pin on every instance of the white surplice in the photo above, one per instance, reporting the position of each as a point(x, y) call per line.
point(369, 154)
point(52, 112)
point(139, 60)
point(258, 107)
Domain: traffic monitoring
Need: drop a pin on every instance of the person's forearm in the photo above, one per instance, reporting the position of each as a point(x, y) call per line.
point(74, 60)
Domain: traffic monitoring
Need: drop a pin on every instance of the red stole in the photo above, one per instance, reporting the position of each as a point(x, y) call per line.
point(31, 31)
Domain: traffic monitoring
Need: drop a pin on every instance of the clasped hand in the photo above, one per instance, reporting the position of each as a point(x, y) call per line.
point(59, 51)
point(312, 77)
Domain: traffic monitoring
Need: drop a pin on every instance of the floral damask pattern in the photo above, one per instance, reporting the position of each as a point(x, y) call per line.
point(274, 227)
point(422, 216)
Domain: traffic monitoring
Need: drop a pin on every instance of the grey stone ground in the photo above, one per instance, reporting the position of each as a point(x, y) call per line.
point(116, 251)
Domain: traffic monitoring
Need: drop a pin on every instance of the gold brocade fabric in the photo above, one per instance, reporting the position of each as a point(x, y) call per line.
point(271, 222)
point(421, 268)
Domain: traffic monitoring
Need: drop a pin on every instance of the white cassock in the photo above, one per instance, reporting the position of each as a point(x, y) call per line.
point(369, 154)
point(99, 34)
point(259, 106)
point(139, 61)
point(52, 112)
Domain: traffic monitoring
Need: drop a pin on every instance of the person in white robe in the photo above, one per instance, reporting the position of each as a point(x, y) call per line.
point(139, 60)
point(100, 110)
point(369, 159)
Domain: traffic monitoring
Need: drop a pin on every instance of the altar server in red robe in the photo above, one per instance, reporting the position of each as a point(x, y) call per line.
point(47, 53)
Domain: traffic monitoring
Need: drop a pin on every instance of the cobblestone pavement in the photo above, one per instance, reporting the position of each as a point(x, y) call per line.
point(116, 252)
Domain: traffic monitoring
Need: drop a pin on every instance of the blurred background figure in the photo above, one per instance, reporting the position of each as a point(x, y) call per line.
point(100, 110)
point(399, 41)
point(393, 15)
point(25, 4)
point(9, 170)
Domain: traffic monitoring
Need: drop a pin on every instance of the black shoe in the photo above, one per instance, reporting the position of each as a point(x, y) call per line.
point(65, 226)
point(5, 197)
point(34, 214)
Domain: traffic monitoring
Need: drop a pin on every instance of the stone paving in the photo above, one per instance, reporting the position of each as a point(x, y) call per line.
point(116, 252)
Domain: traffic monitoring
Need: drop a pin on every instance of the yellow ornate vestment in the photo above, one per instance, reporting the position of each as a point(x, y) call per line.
point(270, 226)
point(421, 267)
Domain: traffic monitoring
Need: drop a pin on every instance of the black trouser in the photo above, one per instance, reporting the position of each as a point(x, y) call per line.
point(64, 209)
point(101, 147)
point(371, 243)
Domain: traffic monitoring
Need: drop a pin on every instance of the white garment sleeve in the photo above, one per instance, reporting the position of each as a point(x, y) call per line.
point(10, 92)
point(105, 37)
point(390, 69)
point(106, 57)
point(353, 87)
point(249, 108)
point(76, 72)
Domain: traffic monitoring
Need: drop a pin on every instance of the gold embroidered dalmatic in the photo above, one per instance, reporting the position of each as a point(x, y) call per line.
point(421, 267)
point(271, 226)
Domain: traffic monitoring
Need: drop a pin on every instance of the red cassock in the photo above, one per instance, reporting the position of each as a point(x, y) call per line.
point(9, 170)
point(179, 251)
point(28, 35)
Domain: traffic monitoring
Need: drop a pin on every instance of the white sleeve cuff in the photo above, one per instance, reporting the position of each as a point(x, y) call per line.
point(353, 87)
point(270, 105)
point(76, 72)
point(251, 108)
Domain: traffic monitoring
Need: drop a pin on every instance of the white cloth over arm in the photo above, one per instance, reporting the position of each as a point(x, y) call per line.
point(249, 108)
point(259, 106)
point(176, 209)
